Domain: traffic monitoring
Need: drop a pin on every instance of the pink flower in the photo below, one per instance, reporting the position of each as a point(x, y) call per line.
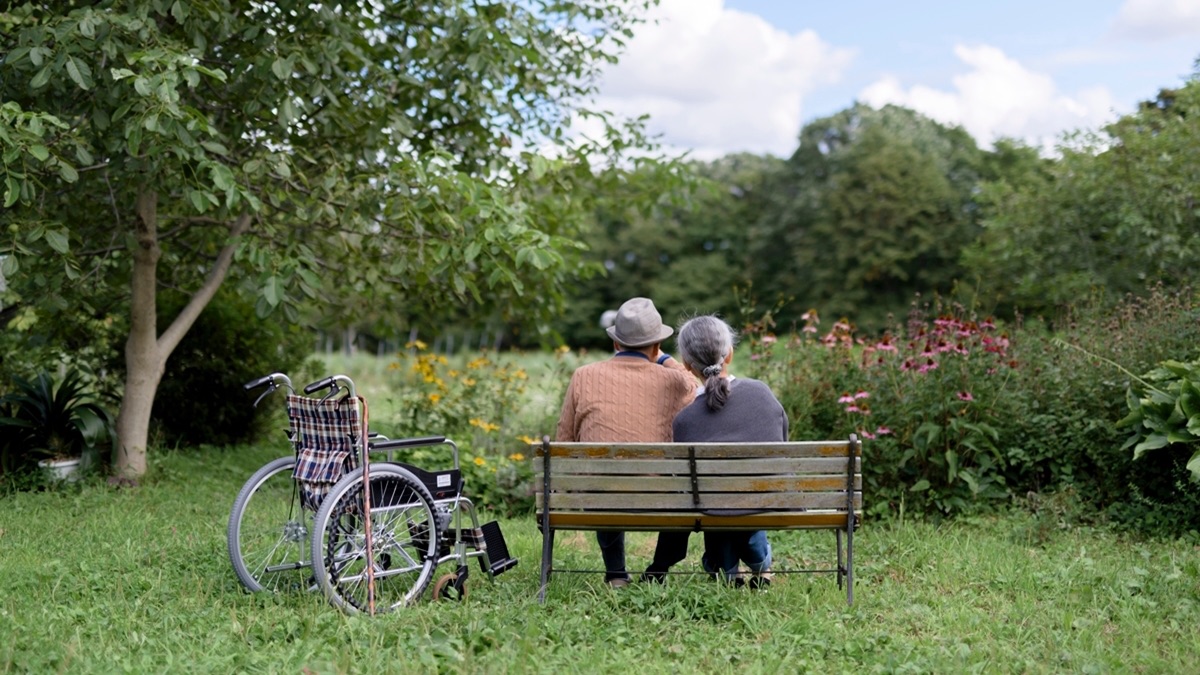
point(862, 394)
point(769, 339)
point(809, 329)
point(883, 431)
point(852, 408)
point(755, 357)
point(965, 396)
point(988, 323)
point(930, 364)
point(846, 398)
point(908, 364)
point(865, 434)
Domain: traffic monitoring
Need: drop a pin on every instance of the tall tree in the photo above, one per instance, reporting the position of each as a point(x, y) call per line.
point(875, 205)
point(1118, 210)
point(367, 154)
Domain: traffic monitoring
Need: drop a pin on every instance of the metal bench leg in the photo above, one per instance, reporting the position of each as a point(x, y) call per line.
point(850, 565)
point(547, 562)
point(841, 569)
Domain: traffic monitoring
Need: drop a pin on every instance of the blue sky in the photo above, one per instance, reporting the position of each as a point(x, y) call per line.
point(721, 76)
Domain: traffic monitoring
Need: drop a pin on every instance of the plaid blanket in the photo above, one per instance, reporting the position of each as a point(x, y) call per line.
point(327, 437)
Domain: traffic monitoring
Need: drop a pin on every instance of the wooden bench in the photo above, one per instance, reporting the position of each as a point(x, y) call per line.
point(701, 486)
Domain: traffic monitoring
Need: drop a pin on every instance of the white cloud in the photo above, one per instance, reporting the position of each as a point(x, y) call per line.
point(717, 81)
point(998, 97)
point(1153, 20)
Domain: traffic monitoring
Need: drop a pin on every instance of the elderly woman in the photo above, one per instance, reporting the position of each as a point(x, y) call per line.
point(727, 409)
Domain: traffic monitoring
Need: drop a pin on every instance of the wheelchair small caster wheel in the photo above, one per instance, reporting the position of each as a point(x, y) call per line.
point(450, 588)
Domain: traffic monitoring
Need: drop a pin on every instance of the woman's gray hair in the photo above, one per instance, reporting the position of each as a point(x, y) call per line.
point(704, 343)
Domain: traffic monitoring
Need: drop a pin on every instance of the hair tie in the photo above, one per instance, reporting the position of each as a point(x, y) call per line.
point(712, 371)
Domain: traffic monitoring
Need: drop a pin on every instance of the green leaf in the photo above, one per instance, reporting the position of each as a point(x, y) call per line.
point(121, 73)
point(1152, 442)
point(40, 79)
point(67, 172)
point(199, 200)
point(9, 266)
point(57, 240)
point(79, 73)
point(282, 68)
point(919, 486)
point(12, 191)
point(272, 291)
point(1193, 465)
point(40, 152)
point(222, 177)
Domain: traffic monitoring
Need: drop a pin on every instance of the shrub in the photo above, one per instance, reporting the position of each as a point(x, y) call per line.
point(486, 404)
point(962, 414)
point(39, 420)
point(200, 398)
point(926, 398)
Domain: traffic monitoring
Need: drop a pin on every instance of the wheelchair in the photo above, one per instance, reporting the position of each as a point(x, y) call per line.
point(370, 535)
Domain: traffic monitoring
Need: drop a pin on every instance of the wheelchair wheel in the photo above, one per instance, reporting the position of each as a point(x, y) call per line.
point(268, 532)
point(404, 542)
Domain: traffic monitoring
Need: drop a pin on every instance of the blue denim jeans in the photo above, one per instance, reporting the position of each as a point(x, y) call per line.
point(724, 550)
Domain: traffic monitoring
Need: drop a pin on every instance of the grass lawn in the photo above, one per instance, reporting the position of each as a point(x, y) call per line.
point(137, 580)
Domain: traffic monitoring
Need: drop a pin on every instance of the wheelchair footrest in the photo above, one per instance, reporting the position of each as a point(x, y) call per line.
point(497, 550)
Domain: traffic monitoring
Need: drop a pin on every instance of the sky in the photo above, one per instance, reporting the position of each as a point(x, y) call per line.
point(724, 76)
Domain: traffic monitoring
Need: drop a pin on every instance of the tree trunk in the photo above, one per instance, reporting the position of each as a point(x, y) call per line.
point(146, 352)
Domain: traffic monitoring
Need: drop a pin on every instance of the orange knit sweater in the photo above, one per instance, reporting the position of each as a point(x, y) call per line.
point(625, 399)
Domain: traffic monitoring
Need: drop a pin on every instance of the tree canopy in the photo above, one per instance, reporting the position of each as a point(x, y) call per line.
point(372, 156)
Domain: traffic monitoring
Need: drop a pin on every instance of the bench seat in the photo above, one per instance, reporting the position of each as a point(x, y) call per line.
point(800, 485)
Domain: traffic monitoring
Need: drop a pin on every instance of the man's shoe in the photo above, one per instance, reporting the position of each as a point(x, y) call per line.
point(617, 583)
point(654, 577)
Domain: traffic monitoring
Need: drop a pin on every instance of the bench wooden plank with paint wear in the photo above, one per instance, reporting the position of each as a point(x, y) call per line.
point(801, 485)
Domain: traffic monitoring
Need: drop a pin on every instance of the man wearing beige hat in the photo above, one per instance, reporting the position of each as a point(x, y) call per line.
point(632, 398)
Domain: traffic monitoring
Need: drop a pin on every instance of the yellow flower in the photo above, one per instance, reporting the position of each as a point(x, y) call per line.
point(563, 349)
point(479, 461)
point(520, 374)
point(453, 373)
point(393, 366)
point(527, 439)
point(434, 398)
point(442, 360)
point(470, 382)
point(517, 457)
point(416, 343)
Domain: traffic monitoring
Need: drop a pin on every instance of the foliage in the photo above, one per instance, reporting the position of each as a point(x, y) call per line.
point(874, 206)
point(1164, 410)
point(364, 156)
point(926, 398)
point(483, 402)
point(1115, 212)
point(199, 400)
point(959, 596)
point(40, 420)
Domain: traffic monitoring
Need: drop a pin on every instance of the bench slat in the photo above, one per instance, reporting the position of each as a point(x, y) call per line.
point(704, 484)
point(617, 501)
point(598, 520)
point(716, 450)
point(631, 465)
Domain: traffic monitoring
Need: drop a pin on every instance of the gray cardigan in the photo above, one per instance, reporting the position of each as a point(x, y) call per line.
point(752, 414)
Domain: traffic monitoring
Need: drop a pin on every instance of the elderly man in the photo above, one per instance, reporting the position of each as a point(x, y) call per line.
point(632, 397)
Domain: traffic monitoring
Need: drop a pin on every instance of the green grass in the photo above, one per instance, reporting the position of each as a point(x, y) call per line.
point(137, 580)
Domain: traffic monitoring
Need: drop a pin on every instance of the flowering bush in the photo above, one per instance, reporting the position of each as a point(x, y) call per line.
point(925, 398)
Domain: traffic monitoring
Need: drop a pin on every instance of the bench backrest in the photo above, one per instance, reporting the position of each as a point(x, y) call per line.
point(809, 484)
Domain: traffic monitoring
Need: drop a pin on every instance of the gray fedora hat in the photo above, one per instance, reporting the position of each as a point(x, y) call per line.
point(639, 324)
